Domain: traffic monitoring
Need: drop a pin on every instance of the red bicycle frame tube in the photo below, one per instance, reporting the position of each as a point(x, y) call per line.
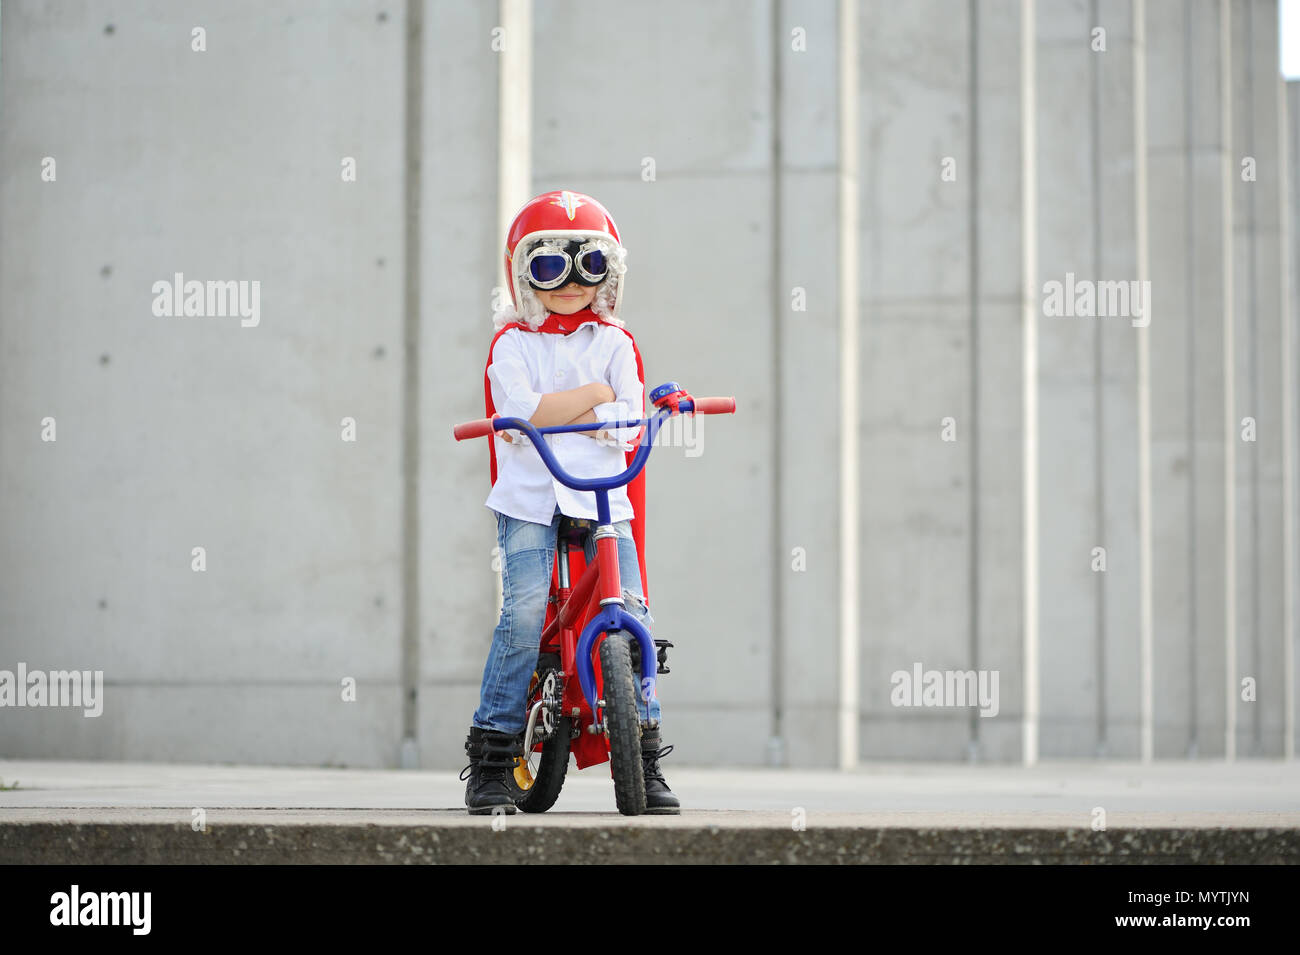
point(607, 560)
point(578, 604)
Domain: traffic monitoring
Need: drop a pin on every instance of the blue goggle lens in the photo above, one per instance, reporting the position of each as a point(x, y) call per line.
point(593, 262)
point(547, 268)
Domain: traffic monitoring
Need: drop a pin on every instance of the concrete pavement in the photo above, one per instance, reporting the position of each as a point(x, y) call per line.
point(91, 812)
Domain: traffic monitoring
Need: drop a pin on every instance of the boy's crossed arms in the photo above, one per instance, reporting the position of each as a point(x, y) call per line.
point(573, 406)
point(620, 393)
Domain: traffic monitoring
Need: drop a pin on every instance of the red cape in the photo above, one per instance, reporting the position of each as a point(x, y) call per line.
point(560, 324)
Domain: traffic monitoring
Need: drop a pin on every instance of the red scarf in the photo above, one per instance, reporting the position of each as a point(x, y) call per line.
point(563, 324)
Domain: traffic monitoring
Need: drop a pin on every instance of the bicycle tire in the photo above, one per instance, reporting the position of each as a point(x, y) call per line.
point(554, 762)
point(622, 725)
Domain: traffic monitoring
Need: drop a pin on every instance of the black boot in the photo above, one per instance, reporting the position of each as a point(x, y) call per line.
point(487, 780)
point(474, 748)
point(659, 799)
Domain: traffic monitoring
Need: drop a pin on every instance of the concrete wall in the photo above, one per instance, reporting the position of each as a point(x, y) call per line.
point(1087, 177)
point(915, 368)
point(988, 148)
point(996, 493)
point(1259, 309)
point(939, 377)
point(1189, 155)
point(177, 433)
point(458, 586)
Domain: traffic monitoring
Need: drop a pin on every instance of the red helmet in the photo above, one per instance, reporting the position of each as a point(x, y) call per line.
point(563, 214)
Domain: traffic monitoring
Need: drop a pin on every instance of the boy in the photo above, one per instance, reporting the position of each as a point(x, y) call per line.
point(561, 356)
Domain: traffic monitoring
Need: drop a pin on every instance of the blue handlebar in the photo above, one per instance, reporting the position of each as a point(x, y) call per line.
point(652, 425)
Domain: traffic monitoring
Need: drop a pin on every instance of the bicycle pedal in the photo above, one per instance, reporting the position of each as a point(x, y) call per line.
point(663, 646)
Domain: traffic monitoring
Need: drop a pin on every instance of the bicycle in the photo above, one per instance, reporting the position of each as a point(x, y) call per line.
point(602, 701)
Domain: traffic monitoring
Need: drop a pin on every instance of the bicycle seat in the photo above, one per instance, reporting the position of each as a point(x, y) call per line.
point(574, 529)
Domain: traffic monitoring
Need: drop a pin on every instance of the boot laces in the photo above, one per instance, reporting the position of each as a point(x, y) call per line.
point(493, 773)
point(651, 759)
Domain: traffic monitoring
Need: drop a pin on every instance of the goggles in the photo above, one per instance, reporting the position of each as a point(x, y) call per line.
point(553, 264)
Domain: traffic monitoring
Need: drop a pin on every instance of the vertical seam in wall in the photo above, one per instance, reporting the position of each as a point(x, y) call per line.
point(973, 578)
point(1229, 385)
point(411, 370)
point(1253, 357)
point(1189, 258)
point(1145, 610)
point(1098, 399)
point(778, 418)
point(1289, 256)
point(1029, 377)
point(849, 597)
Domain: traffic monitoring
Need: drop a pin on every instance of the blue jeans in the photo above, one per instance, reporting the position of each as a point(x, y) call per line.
point(527, 555)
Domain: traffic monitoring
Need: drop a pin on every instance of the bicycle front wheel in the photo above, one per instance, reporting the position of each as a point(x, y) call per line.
point(622, 725)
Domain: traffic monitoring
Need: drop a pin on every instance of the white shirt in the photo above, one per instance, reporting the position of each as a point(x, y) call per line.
point(525, 365)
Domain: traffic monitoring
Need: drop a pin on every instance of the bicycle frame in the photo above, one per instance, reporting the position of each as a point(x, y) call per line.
point(612, 613)
point(575, 604)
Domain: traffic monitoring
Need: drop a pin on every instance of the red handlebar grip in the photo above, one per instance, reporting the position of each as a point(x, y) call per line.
point(715, 405)
point(472, 429)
